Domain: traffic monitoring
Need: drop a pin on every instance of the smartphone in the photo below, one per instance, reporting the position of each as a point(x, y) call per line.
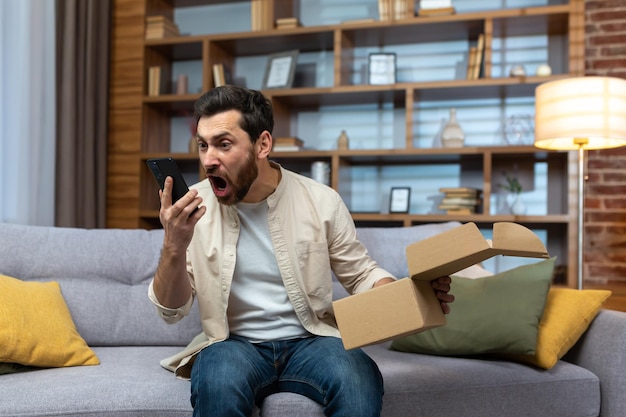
point(167, 167)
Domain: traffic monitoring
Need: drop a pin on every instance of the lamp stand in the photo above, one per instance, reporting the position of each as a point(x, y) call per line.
point(581, 142)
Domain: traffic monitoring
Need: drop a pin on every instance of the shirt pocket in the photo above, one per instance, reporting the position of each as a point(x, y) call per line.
point(314, 265)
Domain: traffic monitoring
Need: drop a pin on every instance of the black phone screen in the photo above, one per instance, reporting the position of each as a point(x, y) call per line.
point(167, 167)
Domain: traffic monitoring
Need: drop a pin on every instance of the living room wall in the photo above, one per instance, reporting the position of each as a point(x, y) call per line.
point(605, 202)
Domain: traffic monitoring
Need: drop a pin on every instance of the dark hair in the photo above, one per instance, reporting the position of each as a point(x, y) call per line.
point(255, 108)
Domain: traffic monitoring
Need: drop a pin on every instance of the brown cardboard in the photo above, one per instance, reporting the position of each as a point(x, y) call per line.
point(389, 311)
point(461, 247)
point(410, 306)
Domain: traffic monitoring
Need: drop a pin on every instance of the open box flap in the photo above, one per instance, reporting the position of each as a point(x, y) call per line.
point(464, 246)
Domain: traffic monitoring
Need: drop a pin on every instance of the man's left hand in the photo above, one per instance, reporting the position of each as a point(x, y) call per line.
point(441, 286)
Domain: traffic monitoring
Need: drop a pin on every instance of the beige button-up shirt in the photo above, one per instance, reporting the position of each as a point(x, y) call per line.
point(312, 233)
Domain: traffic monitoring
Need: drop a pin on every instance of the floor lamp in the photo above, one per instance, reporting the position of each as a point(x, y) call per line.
point(581, 114)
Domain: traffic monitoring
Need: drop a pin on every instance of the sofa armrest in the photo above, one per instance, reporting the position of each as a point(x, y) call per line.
point(602, 350)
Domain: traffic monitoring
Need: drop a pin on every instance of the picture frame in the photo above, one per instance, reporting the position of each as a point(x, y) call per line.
point(381, 68)
point(399, 200)
point(280, 70)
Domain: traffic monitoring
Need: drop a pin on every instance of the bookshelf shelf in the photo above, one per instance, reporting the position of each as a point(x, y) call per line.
point(405, 112)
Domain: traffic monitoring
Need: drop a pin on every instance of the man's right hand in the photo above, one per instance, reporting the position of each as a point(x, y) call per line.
point(179, 219)
point(171, 285)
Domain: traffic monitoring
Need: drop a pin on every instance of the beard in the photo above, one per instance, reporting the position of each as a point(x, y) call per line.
point(234, 190)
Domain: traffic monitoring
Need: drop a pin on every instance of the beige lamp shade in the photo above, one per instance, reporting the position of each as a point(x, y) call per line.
point(587, 111)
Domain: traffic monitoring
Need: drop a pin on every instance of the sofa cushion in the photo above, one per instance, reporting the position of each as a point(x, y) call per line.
point(129, 382)
point(418, 385)
point(36, 328)
point(567, 316)
point(498, 313)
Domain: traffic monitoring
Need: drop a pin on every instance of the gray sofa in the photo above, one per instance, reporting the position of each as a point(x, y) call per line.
point(104, 276)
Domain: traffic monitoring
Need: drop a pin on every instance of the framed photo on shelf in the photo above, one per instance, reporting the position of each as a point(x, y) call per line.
point(399, 200)
point(381, 68)
point(280, 70)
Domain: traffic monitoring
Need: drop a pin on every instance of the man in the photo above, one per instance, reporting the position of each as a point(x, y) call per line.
point(258, 254)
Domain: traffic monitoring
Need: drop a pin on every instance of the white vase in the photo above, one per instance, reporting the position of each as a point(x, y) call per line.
point(516, 204)
point(452, 135)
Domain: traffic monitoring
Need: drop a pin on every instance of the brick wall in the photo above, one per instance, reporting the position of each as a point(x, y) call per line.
point(605, 203)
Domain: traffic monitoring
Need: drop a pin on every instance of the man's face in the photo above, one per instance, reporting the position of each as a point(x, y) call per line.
point(227, 156)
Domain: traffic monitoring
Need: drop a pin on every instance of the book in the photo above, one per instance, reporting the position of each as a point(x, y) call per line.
point(259, 13)
point(287, 23)
point(219, 76)
point(286, 148)
point(400, 10)
point(157, 81)
point(436, 12)
point(471, 58)
point(460, 201)
point(288, 140)
point(158, 27)
point(472, 190)
point(384, 10)
point(461, 211)
point(478, 59)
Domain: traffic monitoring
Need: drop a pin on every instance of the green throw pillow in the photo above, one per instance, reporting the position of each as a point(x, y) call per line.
point(495, 314)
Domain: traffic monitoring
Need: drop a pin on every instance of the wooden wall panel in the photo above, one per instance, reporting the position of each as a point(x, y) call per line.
point(125, 100)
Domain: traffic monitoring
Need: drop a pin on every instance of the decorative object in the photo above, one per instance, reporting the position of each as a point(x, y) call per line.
point(343, 142)
point(280, 70)
point(544, 70)
point(181, 84)
point(514, 188)
point(517, 71)
point(382, 68)
point(320, 172)
point(581, 113)
point(519, 129)
point(452, 135)
point(193, 140)
point(399, 200)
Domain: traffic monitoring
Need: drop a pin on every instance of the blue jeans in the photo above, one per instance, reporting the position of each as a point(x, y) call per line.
point(228, 378)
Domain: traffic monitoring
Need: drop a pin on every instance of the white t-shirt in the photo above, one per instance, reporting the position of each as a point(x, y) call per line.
point(259, 308)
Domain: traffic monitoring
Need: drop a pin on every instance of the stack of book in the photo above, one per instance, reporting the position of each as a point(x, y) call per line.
point(475, 59)
point(435, 7)
point(287, 23)
point(460, 200)
point(287, 144)
point(396, 9)
point(158, 27)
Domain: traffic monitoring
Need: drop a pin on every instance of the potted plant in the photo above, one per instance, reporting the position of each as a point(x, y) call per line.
point(514, 189)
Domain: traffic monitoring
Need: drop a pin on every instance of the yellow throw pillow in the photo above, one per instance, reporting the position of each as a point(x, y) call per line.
point(36, 328)
point(567, 315)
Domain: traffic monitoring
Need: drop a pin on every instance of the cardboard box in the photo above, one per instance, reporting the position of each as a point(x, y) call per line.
point(410, 305)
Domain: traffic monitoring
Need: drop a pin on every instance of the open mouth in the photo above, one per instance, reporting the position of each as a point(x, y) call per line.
point(219, 184)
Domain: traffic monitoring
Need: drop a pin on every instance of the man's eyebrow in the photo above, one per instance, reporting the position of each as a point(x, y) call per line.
point(215, 137)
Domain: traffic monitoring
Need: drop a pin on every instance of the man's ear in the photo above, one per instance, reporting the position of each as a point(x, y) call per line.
point(264, 145)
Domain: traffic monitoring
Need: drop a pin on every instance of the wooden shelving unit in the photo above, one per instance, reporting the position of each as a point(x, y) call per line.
point(563, 24)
